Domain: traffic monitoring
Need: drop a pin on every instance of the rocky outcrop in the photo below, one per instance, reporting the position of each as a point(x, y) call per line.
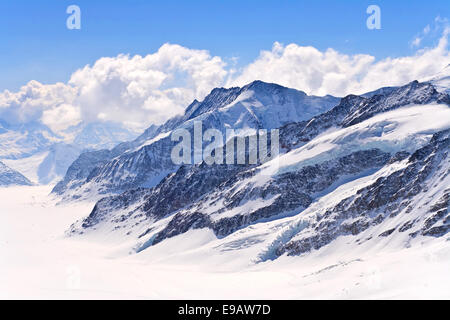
point(388, 197)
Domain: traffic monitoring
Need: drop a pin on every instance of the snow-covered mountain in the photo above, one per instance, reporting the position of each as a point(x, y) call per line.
point(44, 156)
point(146, 161)
point(441, 81)
point(10, 177)
point(24, 140)
point(407, 198)
point(101, 135)
point(372, 167)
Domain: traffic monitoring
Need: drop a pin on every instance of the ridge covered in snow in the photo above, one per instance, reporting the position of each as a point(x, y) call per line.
point(10, 177)
point(441, 81)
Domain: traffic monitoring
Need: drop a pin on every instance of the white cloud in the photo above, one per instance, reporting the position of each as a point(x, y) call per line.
point(436, 29)
point(136, 91)
point(331, 72)
point(140, 90)
point(61, 117)
point(418, 39)
point(32, 100)
point(416, 42)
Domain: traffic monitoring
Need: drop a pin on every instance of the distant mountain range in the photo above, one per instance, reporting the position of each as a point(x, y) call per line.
point(146, 161)
point(44, 156)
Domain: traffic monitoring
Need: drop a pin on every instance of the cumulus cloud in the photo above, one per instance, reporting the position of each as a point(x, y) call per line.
point(136, 91)
point(32, 100)
point(146, 89)
point(331, 72)
point(141, 90)
point(61, 117)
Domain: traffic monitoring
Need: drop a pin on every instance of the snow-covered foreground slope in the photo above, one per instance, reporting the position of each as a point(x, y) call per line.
point(37, 261)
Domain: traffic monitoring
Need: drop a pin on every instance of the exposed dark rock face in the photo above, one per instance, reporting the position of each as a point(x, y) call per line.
point(119, 202)
point(175, 192)
point(387, 197)
point(355, 109)
point(80, 169)
point(293, 191)
point(294, 135)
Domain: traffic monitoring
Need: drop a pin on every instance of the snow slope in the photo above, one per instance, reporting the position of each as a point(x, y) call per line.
point(28, 166)
point(38, 262)
point(359, 194)
point(10, 177)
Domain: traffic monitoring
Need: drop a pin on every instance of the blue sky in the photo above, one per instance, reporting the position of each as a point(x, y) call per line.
point(37, 45)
